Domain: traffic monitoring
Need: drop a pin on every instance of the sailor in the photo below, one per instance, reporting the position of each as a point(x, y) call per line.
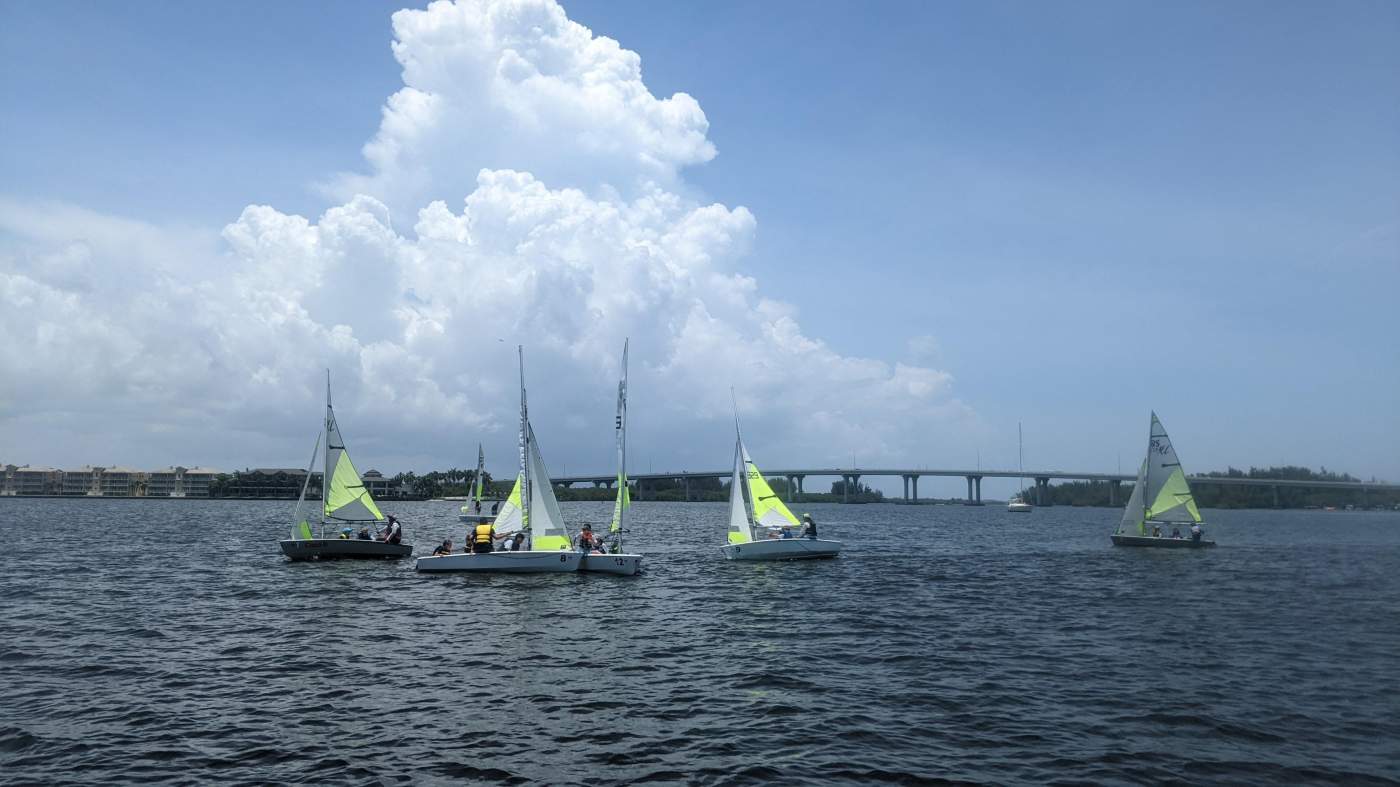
point(495, 508)
point(393, 533)
point(483, 537)
point(1176, 532)
point(809, 528)
point(586, 540)
point(345, 533)
point(1156, 531)
point(515, 544)
point(364, 534)
point(787, 532)
point(1196, 532)
point(445, 548)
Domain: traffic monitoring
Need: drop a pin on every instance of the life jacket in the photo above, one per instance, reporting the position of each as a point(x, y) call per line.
point(483, 534)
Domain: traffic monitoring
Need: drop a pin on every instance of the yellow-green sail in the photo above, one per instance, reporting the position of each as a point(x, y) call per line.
point(768, 509)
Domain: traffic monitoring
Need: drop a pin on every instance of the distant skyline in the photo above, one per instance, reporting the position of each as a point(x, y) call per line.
point(896, 230)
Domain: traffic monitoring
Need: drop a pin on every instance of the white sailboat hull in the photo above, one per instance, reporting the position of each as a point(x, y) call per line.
point(782, 549)
point(1019, 506)
point(622, 564)
point(557, 562)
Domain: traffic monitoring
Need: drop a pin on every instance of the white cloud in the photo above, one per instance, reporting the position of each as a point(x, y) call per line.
point(569, 234)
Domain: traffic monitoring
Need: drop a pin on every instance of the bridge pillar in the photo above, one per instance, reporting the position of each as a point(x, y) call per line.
point(979, 490)
point(906, 488)
point(1113, 493)
point(915, 479)
point(792, 484)
point(800, 490)
point(1275, 496)
point(1042, 491)
point(969, 490)
point(686, 482)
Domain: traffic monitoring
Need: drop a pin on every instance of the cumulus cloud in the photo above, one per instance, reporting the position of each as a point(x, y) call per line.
point(568, 235)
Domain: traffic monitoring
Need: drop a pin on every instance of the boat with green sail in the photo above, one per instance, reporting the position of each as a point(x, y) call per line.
point(345, 503)
point(478, 509)
point(1161, 499)
point(758, 517)
point(531, 509)
point(613, 560)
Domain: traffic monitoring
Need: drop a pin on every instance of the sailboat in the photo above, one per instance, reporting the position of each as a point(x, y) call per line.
point(474, 511)
point(1018, 503)
point(1161, 498)
point(756, 514)
point(616, 561)
point(344, 501)
point(531, 509)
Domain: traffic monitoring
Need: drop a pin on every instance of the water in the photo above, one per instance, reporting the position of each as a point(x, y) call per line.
point(168, 641)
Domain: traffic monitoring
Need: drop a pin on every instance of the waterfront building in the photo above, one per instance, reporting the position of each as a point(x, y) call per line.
point(180, 482)
point(376, 483)
point(121, 482)
point(26, 480)
point(86, 480)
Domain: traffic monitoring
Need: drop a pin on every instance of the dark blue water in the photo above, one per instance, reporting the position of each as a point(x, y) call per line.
point(168, 641)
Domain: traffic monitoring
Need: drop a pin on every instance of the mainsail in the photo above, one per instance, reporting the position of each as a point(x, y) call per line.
point(343, 492)
point(1135, 515)
point(740, 530)
point(1167, 495)
point(624, 494)
point(547, 531)
point(768, 508)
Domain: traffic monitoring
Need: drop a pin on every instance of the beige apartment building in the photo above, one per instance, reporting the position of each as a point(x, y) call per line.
point(25, 480)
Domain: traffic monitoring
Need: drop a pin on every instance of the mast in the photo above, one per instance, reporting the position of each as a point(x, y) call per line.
point(326, 462)
point(524, 454)
point(621, 429)
point(1021, 461)
point(1147, 476)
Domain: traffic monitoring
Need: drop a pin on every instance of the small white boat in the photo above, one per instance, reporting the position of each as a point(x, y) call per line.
point(525, 562)
point(477, 510)
point(782, 549)
point(1161, 499)
point(1019, 506)
point(614, 560)
point(755, 509)
point(531, 509)
point(344, 502)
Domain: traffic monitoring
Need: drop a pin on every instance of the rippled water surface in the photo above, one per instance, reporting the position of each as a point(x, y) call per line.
point(169, 641)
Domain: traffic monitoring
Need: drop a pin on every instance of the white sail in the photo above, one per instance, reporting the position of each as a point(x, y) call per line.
point(547, 530)
point(343, 493)
point(301, 528)
point(740, 529)
point(1135, 514)
point(1166, 494)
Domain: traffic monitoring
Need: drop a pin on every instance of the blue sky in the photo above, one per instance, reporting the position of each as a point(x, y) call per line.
point(1078, 211)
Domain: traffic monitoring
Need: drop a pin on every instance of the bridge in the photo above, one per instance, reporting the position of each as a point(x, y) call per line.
point(1042, 478)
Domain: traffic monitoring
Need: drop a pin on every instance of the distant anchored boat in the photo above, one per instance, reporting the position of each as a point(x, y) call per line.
point(345, 502)
point(1161, 499)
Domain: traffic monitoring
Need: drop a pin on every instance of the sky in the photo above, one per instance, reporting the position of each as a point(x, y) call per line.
point(897, 230)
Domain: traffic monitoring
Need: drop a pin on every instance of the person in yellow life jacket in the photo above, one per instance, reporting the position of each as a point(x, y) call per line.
point(483, 538)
